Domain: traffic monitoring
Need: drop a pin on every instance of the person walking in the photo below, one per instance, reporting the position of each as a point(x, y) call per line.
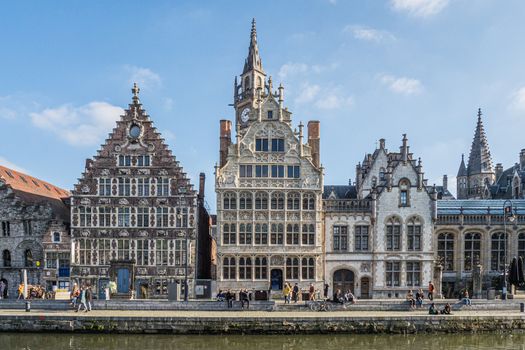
point(20, 291)
point(295, 293)
point(286, 293)
point(2, 289)
point(311, 292)
point(89, 298)
point(75, 293)
point(82, 300)
point(430, 291)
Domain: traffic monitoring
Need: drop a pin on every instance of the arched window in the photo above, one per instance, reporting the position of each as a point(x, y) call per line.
point(445, 250)
point(261, 234)
point(259, 82)
point(308, 201)
point(261, 201)
point(497, 257)
point(28, 258)
point(245, 234)
point(308, 269)
point(229, 201)
point(228, 268)
point(521, 245)
point(277, 201)
point(229, 234)
point(246, 83)
point(293, 201)
point(414, 234)
point(404, 193)
point(276, 236)
point(6, 256)
point(56, 237)
point(245, 268)
point(292, 234)
point(393, 234)
point(472, 250)
point(292, 268)
point(261, 268)
point(245, 201)
point(308, 234)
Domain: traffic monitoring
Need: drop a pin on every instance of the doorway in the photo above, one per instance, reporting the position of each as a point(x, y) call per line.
point(122, 281)
point(343, 280)
point(365, 288)
point(276, 279)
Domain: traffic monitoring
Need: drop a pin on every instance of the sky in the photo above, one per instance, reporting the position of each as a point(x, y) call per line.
point(366, 69)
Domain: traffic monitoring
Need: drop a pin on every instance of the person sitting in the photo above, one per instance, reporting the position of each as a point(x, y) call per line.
point(411, 300)
point(432, 310)
point(446, 310)
point(220, 296)
point(338, 297)
point(230, 297)
point(349, 297)
point(419, 298)
point(466, 298)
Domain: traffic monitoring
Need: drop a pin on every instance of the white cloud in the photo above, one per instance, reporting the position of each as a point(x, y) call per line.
point(518, 100)
point(419, 8)
point(297, 68)
point(8, 164)
point(144, 77)
point(330, 98)
point(79, 126)
point(402, 85)
point(308, 93)
point(334, 101)
point(368, 34)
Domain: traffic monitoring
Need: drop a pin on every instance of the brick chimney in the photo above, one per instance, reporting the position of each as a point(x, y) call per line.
point(445, 183)
point(314, 140)
point(499, 170)
point(202, 181)
point(225, 140)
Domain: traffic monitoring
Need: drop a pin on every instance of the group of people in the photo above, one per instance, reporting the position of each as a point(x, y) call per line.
point(343, 298)
point(432, 310)
point(291, 293)
point(416, 300)
point(81, 297)
point(229, 297)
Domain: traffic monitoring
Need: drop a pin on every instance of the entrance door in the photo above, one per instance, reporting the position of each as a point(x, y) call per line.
point(123, 281)
point(365, 288)
point(344, 280)
point(277, 279)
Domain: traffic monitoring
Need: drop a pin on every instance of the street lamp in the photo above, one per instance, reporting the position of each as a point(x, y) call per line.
point(508, 214)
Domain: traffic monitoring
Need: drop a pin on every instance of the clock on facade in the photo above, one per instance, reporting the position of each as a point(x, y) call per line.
point(134, 131)
point(245, 115)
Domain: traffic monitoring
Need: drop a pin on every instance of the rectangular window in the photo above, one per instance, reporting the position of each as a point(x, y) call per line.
point(123, 249)
point(162, 217)
point(6, 228)
point(361, 238)
point(413, 274)
point(143, 160)
point(84, 252)
point(245, 171)
point(124, 160)
point(340, 238)
point(124, 187)
point(85, 216)
point(163, 186)
point(293, 172)
point(51, 260)
point(104, 251)
point(142, 217)
point(162, 252)
point(261, 145)
point(393, 269)
point(261, 171)
point(277, 145)
point(142, 252)
point(104, 217)
point(123, 217)
point(277, 170)
point(414, 237)
point(270, 114)
point(403, 198)
point(28, 230)
point(180, 252)
point(143, 187)
point(104, 187)
point(182, 217)
point(393, 237)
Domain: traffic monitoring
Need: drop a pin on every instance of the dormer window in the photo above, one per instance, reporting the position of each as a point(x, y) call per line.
point(270, 114)
point(404, 188)
point(56, 237)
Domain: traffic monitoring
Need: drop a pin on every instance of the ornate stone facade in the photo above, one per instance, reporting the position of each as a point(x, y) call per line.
point(269, 186)
point(379, 231)
point(134, 213)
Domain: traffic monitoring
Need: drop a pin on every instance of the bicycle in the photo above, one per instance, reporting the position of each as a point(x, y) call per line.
point(322, 305)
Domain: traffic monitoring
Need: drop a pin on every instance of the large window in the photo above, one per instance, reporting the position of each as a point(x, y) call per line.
point(181, 217)
point(124, 186)
point(163, 186)
point(143, 160)
point(472, 250)
point(497, 257)
point(261, 145)
point(245, 201)
point(261, 268)
point(294, 172)
point(308, 234)
point(245, 234)
point(293, 201)
point(245, 170)
point(228, 268)
point(277, 170)
point(123, 252)
point(229, 201)
point(162, 217)
point(308, 201)
point(229, 234)
point(445, 250)
point(340, 241)
point(162, 252)
point(261, 201)
point(123, 217)
point(413, 273)
point(85, 216)
point(261, 171)
point(143, 187)
point(292, 234)
point(261, 234)
point(143, 252)
point(104, 251)
point(292, 268)
point(393, 271)
point(142, 217)
point(245, 268)
point(104, 217)
point(180, 252)
point(276, 236)
point(84, 252)
point(413, 234)
point(361, 238)
point(393, 234)
point(104, 187)
point(277, 201)
point(277, 145)
point(51, 260)
point(124, 160)
point(308, 269)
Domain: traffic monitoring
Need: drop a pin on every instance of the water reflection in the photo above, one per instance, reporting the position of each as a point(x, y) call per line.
point(296, 342)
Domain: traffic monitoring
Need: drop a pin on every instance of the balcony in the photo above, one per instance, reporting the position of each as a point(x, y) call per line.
point(347, 205)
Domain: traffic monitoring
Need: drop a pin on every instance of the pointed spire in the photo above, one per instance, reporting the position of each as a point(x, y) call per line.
point(462, 169)
point(479, 160)
point(253, 61)
point(135, 90)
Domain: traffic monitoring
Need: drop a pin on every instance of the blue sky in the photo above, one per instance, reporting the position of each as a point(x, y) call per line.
point(365, 69)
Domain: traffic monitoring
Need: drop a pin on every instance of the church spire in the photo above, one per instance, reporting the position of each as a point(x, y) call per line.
point(479, 160)
point(253, 61)
point(462, 169)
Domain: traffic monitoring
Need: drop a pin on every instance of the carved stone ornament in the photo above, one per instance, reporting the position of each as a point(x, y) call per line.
point(103, 232)
point(85, 233)
point(123, 201)
point(85, 201)
point(162, 233)
point(365, 267)
point(123, 233)
point(277, 260)
point(85, 189)
point(161, 271)
point(180, 272)
point(124, 171)
point(118, 148)
point(103, 271)
point(162, 201)
point(104, 201)
point(142, 271)
point(104, 172)
point(143, 171)
point(163, 172)
point(84, 271)
point(180, 233)
point(151, 147)
point(143, 233)
point(143, 202)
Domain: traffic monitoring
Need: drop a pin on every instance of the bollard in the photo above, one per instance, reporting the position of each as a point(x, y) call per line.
point(522, 307)
point(28, 306)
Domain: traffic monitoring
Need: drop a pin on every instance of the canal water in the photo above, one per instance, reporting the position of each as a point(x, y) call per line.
point(40, 341)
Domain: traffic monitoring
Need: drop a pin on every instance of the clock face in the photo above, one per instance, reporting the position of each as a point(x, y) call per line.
point(134, 131)
point(245, 115)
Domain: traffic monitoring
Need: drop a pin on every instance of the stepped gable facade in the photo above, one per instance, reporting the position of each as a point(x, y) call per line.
point(34, 236)
point(269, 184)
point(134, 213)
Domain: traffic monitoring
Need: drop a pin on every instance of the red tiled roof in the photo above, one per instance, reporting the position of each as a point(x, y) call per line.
point(25, 183)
